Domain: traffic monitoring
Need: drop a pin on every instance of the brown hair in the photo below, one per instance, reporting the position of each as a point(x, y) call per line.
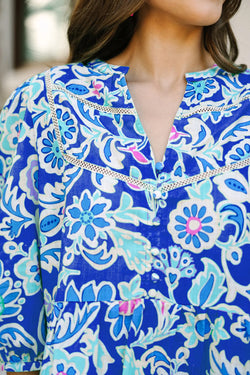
point(103, 28)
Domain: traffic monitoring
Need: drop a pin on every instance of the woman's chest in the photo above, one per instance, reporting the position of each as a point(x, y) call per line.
point(118, 218)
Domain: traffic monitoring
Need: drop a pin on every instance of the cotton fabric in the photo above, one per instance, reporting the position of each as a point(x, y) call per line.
point(111, 263)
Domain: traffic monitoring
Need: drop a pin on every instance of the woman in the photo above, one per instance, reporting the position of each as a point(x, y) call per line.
point(125, 222)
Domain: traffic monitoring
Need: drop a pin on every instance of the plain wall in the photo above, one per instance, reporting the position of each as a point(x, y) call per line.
point(241, 27)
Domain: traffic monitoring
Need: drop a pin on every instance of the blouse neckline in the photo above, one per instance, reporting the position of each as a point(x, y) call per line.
point(107, 68)
point(110, 69)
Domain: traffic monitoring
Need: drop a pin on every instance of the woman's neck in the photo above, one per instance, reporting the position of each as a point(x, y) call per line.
point(162, 50)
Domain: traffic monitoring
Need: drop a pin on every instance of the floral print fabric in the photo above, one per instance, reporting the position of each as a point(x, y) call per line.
point(111, 263)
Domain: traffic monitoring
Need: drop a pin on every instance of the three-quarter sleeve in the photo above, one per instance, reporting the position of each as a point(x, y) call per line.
point(22, 325)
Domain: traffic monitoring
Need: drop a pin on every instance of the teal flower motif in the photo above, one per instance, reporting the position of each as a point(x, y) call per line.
point(196, 90)
point(131, 290)
point(200, 328)
point(87, 218)
point(245, 328)
point(62, 371)
point(66, 125)
point(194, 225)
point(175, 263)
point(125, 316)
point(208, 286)
point(8, 296)
point(127, 313)
point(51, 150)
point(27, 269)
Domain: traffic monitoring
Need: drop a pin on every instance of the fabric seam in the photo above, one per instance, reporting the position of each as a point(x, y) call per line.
point(120, 110)
point(166, 187)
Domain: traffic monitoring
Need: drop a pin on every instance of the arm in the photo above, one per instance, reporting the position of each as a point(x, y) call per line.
point(22, 307)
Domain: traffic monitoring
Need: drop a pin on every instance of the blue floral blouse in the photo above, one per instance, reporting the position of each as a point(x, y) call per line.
point(111, 263)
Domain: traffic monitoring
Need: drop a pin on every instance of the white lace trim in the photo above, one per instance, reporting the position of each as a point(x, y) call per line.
point(131, 111)
point(128, 179)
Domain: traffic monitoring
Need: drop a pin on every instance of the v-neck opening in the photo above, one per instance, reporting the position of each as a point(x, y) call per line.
point(154, 161)
point(189, 77)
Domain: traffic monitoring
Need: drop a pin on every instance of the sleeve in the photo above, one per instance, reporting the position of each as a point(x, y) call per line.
point(22, 322)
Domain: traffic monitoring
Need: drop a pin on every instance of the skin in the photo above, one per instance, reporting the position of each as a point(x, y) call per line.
point(166, 45)
point(189, 12)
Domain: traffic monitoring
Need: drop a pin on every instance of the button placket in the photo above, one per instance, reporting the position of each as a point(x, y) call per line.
point(156, 221)
point(155, 277)
point(159, 194)
point(152, 293)
point(162, 178)
point(155, 251)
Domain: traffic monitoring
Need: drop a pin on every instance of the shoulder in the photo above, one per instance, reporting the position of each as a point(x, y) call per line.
point(97, 82)
point(231, 88)
point(85, 74)
point(235, 87)
point(239, 80)
point(36, 85)
point(243, 78)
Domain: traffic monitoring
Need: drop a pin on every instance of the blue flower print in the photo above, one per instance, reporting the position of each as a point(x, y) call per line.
point(245, 328)
point(175, 263)
point(66, 125)
point(87, 218)
point(195, 91)
point(241, 329)
point(51, 151)
point(90, 292)
point(125, 316)
point(194, 226)
point(239, 152)
point(62, 371)
point(199, 328)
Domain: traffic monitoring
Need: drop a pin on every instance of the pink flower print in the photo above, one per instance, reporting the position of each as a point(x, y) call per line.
point(194, 225)
point(175, 134)
point(136, 154)
point(128, 307)
point(97, 87)
point(135, 187)
point(164, 307)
